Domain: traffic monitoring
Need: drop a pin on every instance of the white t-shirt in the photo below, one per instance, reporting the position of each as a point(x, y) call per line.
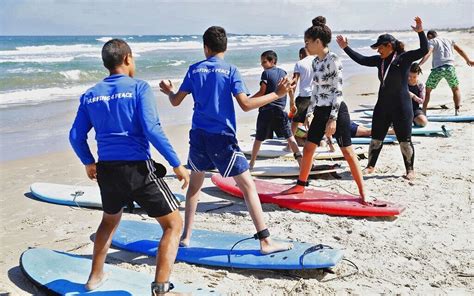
point(442, 51)
point(305, 69)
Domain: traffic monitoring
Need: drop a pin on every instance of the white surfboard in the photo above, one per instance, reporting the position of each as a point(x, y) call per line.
point(72, 195)
point(273, 151)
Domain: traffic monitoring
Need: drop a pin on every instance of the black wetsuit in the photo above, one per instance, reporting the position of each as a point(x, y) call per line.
point(394, 103)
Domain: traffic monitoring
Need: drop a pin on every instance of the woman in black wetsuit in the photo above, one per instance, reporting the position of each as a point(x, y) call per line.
point(394, 103)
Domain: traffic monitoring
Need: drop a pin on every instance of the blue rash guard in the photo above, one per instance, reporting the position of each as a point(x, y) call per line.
point(212, 83)
point(123, 113)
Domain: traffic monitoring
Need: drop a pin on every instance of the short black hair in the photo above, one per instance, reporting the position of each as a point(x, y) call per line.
point(215, 39)
point(319, 30)
point(114, 52)
point(432, 33)
point(415, 68)
point(270, 56)
point(303, 52)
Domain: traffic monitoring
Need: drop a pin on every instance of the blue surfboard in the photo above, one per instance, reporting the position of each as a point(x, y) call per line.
point(214, 248)
point(65, 274)
point(439, 117)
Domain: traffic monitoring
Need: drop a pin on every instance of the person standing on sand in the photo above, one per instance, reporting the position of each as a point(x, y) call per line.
point(394, 102)
point(272, 117)
point(443, 67)
point(212, 138)
point(122, 111)
point(331, 116)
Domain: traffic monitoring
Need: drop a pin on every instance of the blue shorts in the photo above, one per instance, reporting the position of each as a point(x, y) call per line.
point(209, 151)
point(354, 127)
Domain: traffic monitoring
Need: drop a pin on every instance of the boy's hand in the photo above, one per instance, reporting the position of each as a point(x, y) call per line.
point(182, 174)
point(166, 87)
point(330, 128)
point(283, 87)
point(419, 25)
point(342, 41)
point(91, 171)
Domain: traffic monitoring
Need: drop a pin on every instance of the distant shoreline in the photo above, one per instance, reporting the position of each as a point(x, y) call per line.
point(463, 29)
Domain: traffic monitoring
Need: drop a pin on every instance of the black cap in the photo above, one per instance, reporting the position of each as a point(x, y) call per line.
point(383, 39)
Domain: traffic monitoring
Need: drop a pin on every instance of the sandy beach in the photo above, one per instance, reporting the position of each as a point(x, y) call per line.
point(427, 250)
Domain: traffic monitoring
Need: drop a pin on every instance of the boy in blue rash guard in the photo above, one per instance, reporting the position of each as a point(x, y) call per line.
point(272, 117)
point(213, 142)
point(122, 111)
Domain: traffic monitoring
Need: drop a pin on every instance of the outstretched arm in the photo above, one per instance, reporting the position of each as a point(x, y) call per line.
point(464, 55)
point(167, 88)
point(371, 61)
point(426, 57)
point(247, 103)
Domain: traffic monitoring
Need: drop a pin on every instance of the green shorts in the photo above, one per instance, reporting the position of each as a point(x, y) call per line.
point(447, 72)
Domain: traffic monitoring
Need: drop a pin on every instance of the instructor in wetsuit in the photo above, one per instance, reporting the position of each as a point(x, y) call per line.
point(393, 104)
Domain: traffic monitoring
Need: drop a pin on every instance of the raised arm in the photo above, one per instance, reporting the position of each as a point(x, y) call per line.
point(372, 61)
point(464, 55)
point(419, 53)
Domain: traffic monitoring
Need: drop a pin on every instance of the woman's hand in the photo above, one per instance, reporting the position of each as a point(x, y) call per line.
point(342, 41)
point(419, 25)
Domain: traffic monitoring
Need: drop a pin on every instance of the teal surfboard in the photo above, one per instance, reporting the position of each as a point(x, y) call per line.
point(439, 117)
point(429, 129)
point(65, 274)
point(215, 248)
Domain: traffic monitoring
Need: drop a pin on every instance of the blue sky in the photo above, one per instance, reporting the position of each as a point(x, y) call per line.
point(119, 17)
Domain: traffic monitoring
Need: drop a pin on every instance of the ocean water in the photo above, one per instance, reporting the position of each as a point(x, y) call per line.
point(42, 77)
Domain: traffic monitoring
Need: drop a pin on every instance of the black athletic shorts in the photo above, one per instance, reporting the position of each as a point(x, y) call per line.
point(273, 120)
point(343, 125)
point(302, 104)
point(122, 182)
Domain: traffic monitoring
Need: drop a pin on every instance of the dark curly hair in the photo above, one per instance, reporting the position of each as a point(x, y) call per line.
point(215, 38)
point(319, 30)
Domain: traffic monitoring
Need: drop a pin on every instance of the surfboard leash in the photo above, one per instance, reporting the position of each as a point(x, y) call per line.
point(231, 249)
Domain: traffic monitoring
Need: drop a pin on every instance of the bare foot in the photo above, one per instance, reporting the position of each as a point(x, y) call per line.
point(293, 190)
point(268, 246)
point(95, 282)
point(410, 175)
point(251, 165)
point(368, 171)
point(184, 242)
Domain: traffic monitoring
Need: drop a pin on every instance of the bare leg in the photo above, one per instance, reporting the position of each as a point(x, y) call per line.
point(427, 99)
point(420, 120)
point(356, 172)
point(168, 247)
point(256, 147)
point(362, 131)
point(305, 168)
point(456, 99)
point(103, 238)
point(247, 186)
point(294, 147)
point(192, 198)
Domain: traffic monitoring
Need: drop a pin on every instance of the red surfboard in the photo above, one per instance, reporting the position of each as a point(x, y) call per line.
point(314, 201)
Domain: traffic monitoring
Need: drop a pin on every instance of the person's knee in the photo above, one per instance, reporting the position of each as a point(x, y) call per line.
point(172, 223)
point(375, 144)
point(110, 220)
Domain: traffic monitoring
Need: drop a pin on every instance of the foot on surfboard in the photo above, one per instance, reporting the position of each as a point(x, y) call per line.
point(95, 282)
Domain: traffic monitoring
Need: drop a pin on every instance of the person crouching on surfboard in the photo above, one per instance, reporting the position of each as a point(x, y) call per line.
point(331, 116)
point(212, 138)
point(122, 111)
